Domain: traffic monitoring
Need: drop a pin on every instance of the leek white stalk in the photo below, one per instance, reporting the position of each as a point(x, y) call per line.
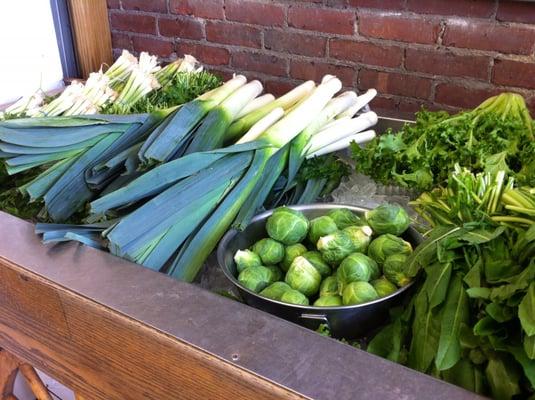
point(28, 105)
point(242, 125)
point(262, 125)
point(359, 138)
point(360, 103)
point(255, 104)
point(342, 130)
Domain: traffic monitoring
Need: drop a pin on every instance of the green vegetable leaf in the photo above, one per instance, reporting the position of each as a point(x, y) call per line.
point(466, 375)
point(454, 314)
point(499, 312)
point(526, 311)
point(529, 346)
point(478, 293)
point(438, 280)
point(426, 332)
point(487, 326)
point(479, 236)
point(496, 162)
point(425, 253)
point(527, 365)
point(516, 283)
point(473, 277)
point(387, 343)
point(503, 378)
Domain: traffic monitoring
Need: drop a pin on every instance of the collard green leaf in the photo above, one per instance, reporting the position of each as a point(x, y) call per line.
point(515, 284)
point(527, 365)
point(438, 280)
point(479, 293)
point(503, 378)
point(529, 346)
point(425, 334)
point(387, 343)
point(454, 314)
point(425, 253)
point(473, 277)
point(499, 312)
point(526, 311)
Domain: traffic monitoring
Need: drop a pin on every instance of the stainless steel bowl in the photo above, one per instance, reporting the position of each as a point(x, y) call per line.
point(344, 321)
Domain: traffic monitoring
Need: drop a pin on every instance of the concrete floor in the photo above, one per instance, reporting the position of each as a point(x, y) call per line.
point(57, 390)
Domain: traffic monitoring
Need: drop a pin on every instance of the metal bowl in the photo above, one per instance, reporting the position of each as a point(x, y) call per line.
point(343, 321)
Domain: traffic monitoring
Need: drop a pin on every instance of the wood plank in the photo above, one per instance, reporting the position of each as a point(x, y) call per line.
point(91, 34)
point(121, 327)
point(9, 367)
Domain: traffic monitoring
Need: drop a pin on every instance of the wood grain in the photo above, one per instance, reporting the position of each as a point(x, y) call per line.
point(35, 383)
point(92, 37)
point(9, 366)
point(103, 355)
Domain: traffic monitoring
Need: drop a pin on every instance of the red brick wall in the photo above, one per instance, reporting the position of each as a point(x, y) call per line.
point(437, 53)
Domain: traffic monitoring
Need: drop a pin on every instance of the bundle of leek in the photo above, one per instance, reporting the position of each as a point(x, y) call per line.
point(68, 148)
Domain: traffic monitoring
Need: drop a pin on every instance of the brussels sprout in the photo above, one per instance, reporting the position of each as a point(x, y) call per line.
point(328, 301)
point(270, 251)
point(356, 267)
point(294, 297)
point(303, 276)
point(383, 287)
point(361, 237)
point(275, 290)
point(287, 226)
point(394, 269)
point(256, 278)
point(292, 251)
point(315, 258)
point(358, 293)
point(386, 245)
point(329, 286)
point(321, 226)
point(344, 217)
point(245, 259)
point(335, 247)
point(388, 218)
point(277, 273)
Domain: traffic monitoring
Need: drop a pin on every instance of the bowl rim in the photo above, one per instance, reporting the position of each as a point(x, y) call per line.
point(221, 249)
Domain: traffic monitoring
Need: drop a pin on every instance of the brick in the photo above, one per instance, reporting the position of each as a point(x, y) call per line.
point(211, 9)
point(306, 70)
point(233, 33)
point(121, 41)
point(383, 103)
point(113, 4)
point(133, 23)
point(516, 11)
point(162, 48)
point(484, 35)
point(322, 20)
point(257, 62)
point(252, 12)
point(278, 87)
point(514, 73)
point(447, 64)
point(159, 6)
point(382, 4)
point(398, 27)
point(463, 96)
point(365, 53)
point(205, 54)
point(395, 83)
point(181, 27)
point(295, 43)
point(465, 8)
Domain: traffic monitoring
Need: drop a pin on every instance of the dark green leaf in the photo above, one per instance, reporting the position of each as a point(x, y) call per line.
point(473, 277)
point(526, 311)
point(479, 236)
point(499, 312)
point(438, 280)
point(425, 253)
point(464, 374)
point(487, 326)
point(516, 283)
point(478, 293)
point(503, 378)
point(527, 365)
point(387, 343)
point(529, 346)
point(454, 314)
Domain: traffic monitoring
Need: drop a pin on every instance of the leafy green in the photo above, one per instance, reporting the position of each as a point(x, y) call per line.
point(496, 136)
point(526, 311)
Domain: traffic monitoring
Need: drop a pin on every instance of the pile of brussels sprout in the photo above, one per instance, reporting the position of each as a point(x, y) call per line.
point(333, 260)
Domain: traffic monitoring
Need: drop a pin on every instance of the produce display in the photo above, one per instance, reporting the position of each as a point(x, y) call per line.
point(332, 260)
point(161, 188)
point(472, 321)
